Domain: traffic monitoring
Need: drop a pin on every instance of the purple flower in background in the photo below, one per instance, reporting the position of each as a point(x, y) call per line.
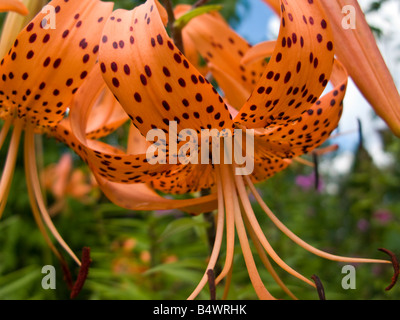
point(383, 216)
point(308, 182)
point(362, 225)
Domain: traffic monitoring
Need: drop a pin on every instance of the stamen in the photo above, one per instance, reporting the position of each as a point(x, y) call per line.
point(230, 194)
point(218, 238)
point(304, 161)
point(43, 231)
point(33, 179)
point(264, 258)
point(320, 287)
point(8, 170)
point(4, 131)
point(230, 234)
point(228, 281)
point(301, 242)
point(211, 284)
point(328, 149)
point(83, 273)
point(395, 264)
point(260, 234)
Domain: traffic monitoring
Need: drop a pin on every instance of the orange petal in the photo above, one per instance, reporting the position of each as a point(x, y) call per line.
point(191, 52)
point(62, 170)
point(312, 128)
point(223, 48)
point(137, 144)
point(291, 82)
point(151, 78)
point(13, 5)
point(107, 161)
point(235, 93)
point(190, 178)
point(357, 50)
point(274, 5)
point(141, 197)
point(267, 165)
point(193, 55)
point(120, 175)
point(45, 66)
point(260, 51)
point(14, 23)
point(103, 114)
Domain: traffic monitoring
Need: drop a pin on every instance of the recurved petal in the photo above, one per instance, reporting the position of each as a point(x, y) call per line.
point(274, 5)
point(267, 165)
point(191, 178)
point(190, 50)
point(312, 128)
point(13, 5)
point(357, 50)
point(142, 197)
point(222, 47)
point(125, 178)
point(152, 79)
point(235, 93)
point(50, 59)
point(106, 116)
point(106, 161)
point(101, 112)
point(110, 162)
point(298, 70)
point(260, 51)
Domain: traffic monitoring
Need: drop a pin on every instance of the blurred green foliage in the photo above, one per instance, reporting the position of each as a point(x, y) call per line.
point(163, 255)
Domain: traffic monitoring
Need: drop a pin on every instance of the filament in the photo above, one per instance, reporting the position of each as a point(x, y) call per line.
point(8, 170)
point(228, 281)
point(301, 242)
point(230, 194)
point(230, 232)
point(33, 179)
point(218, 238)
point(260, 235)
point(264, 258)
point(4, 130)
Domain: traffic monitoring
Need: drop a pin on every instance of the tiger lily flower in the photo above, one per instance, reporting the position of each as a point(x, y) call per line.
point(13, 5)
point(156, 84)
point(94, 106)
point(359, 53)
point(40, 74)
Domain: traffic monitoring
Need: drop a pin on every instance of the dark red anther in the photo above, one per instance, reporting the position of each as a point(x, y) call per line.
point(83, 273)
point(320, 287)
point(395, 264)
point(211, 284)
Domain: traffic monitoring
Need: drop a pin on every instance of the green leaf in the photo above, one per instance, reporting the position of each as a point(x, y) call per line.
point(184, 270)
point(185, 19)
point(181, 225)
point(14, 282)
